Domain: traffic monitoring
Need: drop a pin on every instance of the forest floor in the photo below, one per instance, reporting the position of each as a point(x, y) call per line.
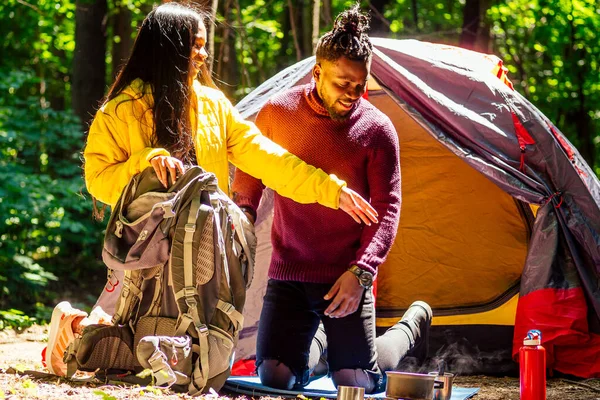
point(22, 376)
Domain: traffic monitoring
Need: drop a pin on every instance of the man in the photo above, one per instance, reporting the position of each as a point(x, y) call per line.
point(323, 263)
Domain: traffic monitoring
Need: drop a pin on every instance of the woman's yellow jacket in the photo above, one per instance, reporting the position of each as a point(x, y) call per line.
point(119, 146)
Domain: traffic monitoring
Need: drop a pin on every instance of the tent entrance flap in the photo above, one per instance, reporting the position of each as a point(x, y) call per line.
point(462, 241)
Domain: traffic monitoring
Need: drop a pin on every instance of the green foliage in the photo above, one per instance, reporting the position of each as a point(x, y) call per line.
point(40, 36)
point(552, 48)
point(15, 319)
point(433, 21)
point(45, 228)
point(104, 395)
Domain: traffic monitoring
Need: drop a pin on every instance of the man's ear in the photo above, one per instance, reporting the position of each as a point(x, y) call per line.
point(316, 72)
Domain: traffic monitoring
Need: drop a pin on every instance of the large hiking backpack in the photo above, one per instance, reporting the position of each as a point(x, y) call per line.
point(187, 253)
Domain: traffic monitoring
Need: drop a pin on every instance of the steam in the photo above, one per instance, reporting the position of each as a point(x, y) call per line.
point(463, 358)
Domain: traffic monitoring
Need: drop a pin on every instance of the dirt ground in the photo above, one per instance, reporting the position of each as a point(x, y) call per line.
point(22, 377)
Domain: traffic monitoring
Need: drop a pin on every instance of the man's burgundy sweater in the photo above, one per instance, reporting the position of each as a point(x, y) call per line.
point(312, 243)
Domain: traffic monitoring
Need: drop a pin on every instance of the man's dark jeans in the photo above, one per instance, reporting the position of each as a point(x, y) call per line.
point(290, 317)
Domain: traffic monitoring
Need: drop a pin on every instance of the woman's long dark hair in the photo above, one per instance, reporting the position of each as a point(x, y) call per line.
point(161, 59)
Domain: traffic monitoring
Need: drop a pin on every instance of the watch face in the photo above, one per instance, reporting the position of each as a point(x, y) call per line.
point(366, 279)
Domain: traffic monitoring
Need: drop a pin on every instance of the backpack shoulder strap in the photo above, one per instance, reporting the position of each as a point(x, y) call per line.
point(130, 296)
point(199, 219)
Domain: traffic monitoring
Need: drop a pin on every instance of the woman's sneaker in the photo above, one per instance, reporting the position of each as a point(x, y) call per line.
point(99, 316)
point(60, 335)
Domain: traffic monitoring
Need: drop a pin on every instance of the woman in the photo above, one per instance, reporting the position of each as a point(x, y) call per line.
point(162, 111)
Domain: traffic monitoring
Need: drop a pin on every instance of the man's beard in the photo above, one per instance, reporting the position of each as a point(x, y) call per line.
point(335, 115)
point(332, 113)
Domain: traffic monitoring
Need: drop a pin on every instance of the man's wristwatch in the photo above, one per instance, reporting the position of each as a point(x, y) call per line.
point(365, 278)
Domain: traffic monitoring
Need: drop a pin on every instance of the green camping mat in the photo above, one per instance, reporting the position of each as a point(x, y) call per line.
point(322, 387)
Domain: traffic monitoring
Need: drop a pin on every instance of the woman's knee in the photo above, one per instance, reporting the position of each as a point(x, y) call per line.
point(277, 375)
point(353, 377)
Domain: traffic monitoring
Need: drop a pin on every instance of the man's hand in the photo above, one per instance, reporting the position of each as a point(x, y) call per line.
point(165, 166)
point(347, 292)
point(357, 207)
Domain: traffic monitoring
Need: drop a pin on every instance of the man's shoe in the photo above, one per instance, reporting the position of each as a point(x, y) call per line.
point(60, 335)
point(418, 319)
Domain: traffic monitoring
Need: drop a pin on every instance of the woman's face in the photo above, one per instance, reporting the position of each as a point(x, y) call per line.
point(199, 54)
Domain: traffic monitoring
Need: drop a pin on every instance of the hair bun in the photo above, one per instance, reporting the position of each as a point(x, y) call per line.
point(352, 21)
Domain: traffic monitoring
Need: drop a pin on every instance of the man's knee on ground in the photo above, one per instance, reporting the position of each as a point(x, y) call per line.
point(353, 377)
point(277, 375)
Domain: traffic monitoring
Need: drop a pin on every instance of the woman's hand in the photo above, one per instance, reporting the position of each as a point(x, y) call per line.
point(166, 166)
point(357, 207)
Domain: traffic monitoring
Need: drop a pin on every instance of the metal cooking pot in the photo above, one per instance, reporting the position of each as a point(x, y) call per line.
point(444, 392)
point(350, 393)
point(406, 385)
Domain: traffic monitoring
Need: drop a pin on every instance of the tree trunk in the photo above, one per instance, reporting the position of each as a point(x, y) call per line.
point(282, 59)
point(246, 79)
point(123, 31)
point(227, 67)
point(89, 64)
point(327, 15)
point(579, 118)
point(294, 30)
point(315, 24)
point(57, 97)
point(411, 23)
point(471, 22)
point(584, 128)
point(305, 28)
point(484, 38)
point(415, 12)
point(379, 25)
point(211, 34)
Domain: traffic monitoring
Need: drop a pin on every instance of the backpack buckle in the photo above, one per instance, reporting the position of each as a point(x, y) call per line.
point(119, 229)
point(188, 293)
point(143, 235)
point(225, 307)
point(191, 302)
point(202, 329)
point(190, 228)
point(168, 209)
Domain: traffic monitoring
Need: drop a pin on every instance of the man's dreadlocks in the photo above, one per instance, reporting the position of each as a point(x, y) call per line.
point(348, 38)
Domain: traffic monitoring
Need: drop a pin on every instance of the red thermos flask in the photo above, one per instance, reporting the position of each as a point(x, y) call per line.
point(532, 361)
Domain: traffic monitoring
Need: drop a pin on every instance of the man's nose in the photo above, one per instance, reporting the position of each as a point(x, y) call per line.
point(355, 92)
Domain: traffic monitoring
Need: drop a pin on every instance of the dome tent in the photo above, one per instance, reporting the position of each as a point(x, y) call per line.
point(500, 224)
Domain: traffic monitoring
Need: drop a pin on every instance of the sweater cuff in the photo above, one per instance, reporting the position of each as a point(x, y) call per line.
point(366, 267)
point(242, 200)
